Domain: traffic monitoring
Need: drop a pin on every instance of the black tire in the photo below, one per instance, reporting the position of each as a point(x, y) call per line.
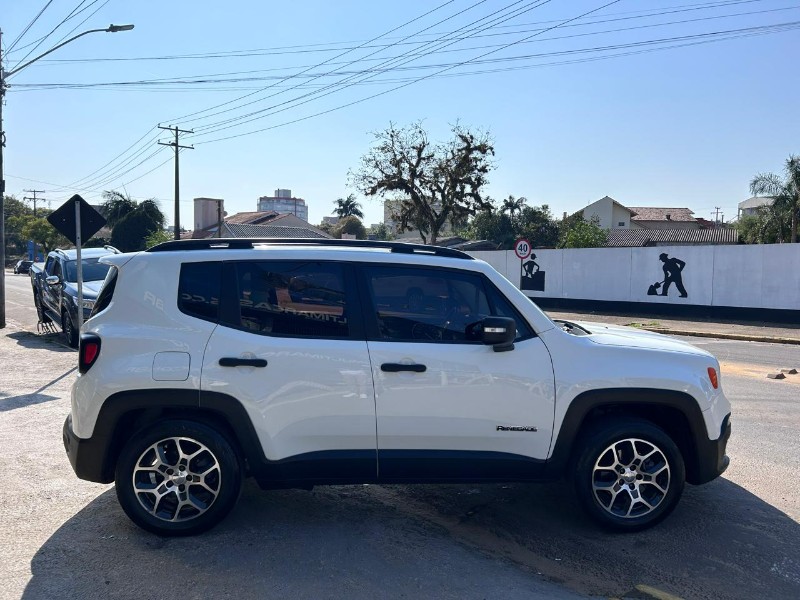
point(70, 332)
point(640, 495)
point(43, 318)
point(216, 495)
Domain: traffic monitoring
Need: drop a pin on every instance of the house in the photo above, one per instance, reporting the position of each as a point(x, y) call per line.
point(209, 215)
point(752, 205)
point(613, 215)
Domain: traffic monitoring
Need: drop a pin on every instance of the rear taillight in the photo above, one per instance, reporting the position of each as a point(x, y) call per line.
point(88, 351)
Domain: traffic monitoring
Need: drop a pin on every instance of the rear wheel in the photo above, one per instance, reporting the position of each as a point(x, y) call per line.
point(629, 474)
point(178, 478)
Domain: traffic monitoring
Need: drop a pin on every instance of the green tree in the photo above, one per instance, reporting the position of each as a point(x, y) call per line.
point(536, 224)
point(348, 207)
point(131, 232)
point(785, 190)
point(381, 232)
point(493, 226)
point(580, 233)
point(42, 232)
point(17, 215)
point(433, 184)
point(159, 236)
point(352, 226)
point(117, 206)
point(131, 222)
point(765, 226)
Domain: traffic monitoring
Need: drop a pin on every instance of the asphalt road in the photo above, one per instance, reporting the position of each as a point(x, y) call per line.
point(737, 537)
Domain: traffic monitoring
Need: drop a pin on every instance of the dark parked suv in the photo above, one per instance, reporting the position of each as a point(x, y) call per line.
point(55, 289)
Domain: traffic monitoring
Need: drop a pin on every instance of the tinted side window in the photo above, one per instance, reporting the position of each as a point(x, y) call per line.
point(57, 268)
point(291, 298)
point(199, 290)
point(413, 304)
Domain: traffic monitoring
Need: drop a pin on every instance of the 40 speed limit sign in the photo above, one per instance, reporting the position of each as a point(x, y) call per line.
point(522, 248)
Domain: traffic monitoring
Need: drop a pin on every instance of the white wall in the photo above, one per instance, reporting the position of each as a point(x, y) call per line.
point(753, 276)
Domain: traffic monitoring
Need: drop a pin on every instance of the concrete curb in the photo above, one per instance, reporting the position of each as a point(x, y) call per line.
point(725, 336)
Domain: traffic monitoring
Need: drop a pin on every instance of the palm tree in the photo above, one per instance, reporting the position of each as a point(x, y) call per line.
point(785, 191)
point(513, 205)
point(348, 207)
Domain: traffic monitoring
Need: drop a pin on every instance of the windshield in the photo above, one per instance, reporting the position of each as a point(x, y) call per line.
point(92, 270)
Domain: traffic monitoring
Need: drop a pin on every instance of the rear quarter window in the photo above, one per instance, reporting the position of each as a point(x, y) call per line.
point(199, 290)
point(106, 292)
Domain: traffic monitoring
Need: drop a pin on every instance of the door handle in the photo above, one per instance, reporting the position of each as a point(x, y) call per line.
point(229, 361)
point(397, 367)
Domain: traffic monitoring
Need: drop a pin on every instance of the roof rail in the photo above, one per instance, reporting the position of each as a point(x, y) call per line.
point(111, 248)
point(245, 243)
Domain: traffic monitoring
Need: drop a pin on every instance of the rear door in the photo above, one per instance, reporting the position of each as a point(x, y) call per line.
point(290, 347)
point(449, 407)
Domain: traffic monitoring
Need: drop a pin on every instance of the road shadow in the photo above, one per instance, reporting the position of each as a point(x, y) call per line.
point(360, 541)
point(36, 397)
point(45, 341)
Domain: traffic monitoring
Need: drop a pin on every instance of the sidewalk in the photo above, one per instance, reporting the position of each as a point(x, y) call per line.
point(786, 333)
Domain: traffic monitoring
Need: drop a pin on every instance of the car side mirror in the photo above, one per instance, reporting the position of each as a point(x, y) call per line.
point(53, 280)
point(499, 332)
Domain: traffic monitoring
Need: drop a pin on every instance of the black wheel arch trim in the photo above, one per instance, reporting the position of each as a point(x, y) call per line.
point(94, 458)
point(705, 459)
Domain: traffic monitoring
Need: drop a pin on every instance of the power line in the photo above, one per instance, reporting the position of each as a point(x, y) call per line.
point(222, 77)
point(183, 117)
point(24, 31)
point(444, 41)
point(64, 20)
point(309, 48)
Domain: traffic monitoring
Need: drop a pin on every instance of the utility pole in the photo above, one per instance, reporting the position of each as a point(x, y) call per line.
point(715, 212)
point(178, 148)
point(34, 192)
point(2, 196)
point(219, 218)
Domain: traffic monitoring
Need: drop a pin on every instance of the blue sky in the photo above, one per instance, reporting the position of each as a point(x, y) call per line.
point(687, 126)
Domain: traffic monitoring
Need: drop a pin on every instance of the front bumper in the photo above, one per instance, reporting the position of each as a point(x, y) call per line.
point(86, 456)
point(711, 458)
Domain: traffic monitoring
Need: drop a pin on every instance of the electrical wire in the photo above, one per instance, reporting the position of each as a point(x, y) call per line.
point(31, 24)
point(309, 48)
point(225, 77)
point(340, 84)
point(53, 30)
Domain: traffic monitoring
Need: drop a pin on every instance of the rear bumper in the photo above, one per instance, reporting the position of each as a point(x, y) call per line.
point(86, 456)
point(712, 461)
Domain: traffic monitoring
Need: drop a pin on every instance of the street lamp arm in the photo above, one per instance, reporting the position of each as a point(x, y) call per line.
point(109, 29)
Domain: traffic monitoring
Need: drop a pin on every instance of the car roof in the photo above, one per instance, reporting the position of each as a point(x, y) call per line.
point(71, 254)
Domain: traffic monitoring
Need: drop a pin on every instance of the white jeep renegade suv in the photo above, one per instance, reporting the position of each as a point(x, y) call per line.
point(309, 362)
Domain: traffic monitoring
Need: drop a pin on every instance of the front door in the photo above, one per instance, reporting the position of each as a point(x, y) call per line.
point(449, 407)
point(290, 349)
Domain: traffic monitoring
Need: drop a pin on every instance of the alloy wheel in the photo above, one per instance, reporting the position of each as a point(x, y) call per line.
point(631, 478)
point(177, 479)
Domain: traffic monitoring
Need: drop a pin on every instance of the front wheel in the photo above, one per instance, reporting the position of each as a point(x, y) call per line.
point(629, 474)
point(178, 478)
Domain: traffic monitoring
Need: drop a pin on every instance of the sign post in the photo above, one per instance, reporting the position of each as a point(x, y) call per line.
point(75, 219)
point(77, 201)
point(522, 248)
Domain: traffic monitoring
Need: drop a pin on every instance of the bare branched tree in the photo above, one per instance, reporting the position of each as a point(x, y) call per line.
point(432, 184)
